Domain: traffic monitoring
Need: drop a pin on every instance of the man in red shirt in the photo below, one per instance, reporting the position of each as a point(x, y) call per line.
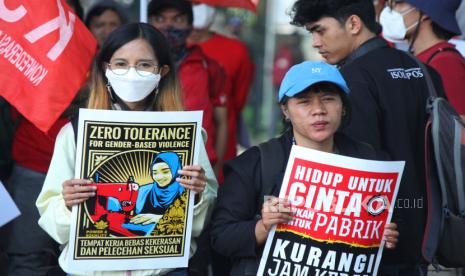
point(203, 81)
point(428, 25)
point(233, 55)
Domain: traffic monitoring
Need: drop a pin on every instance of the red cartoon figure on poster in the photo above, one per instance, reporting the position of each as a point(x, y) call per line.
point(114, 203)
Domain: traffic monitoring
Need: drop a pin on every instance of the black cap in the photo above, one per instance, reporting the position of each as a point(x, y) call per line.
point(441, 12)
point(184, 6)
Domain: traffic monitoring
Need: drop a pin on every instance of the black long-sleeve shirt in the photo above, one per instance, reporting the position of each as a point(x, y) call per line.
point(238, 202)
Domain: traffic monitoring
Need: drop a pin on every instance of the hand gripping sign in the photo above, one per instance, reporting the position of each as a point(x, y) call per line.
point(45, 54)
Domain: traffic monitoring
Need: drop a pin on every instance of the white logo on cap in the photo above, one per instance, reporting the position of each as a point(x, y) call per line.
point(316, 70)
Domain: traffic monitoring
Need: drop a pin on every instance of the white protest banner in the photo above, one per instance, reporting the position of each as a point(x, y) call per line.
point(341, 207)
point(141, 217)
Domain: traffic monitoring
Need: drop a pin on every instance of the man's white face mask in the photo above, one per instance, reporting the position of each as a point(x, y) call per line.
point(394, 28)
point(203, 16)
point(132, 87)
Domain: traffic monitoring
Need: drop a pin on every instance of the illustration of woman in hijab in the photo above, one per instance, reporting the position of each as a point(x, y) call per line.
point(154, 199)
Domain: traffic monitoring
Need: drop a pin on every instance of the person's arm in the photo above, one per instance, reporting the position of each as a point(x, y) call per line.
point(220, 87)
point(204, 204)
point(242, 81)
point(55, 217)
point(221, 121)
point(235, 215)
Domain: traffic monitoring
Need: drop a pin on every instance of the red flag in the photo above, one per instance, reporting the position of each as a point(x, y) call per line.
point(45, 55)
point(245, 4)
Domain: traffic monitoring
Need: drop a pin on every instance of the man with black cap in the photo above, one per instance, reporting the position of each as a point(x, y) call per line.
point(203, 80)
point(428, 25)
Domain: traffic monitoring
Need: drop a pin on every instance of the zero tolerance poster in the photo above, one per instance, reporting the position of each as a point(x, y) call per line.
point(141, 217)
point(341, 206)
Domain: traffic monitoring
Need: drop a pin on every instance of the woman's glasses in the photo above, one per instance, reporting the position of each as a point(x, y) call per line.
point(143, 68)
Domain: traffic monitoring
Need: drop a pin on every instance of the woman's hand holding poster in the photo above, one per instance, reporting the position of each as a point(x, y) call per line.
point(140, 216)
point(341, 206)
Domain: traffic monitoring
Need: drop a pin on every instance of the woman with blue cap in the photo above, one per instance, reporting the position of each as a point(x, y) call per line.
point(313, 100)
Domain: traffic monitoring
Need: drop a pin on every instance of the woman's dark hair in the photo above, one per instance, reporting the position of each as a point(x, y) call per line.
point(98, 10)
point(318, 88)
point(308, 11)
point(129, 32)
point(118, 38)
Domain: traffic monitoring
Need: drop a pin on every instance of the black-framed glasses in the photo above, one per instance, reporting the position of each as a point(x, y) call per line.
point(143, 68)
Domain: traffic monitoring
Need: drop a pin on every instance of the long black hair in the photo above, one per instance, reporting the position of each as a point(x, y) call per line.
point(129, 32)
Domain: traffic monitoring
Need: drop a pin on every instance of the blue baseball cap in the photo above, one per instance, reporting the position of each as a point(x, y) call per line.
point(306, 74)
point(442, 12)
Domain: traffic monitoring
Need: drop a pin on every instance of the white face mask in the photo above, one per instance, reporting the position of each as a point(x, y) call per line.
point(394, 28)
point(132, 87)
point(203, 16)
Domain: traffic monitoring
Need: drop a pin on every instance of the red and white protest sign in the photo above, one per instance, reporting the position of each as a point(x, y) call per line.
point(45, 55)
point(341, 205)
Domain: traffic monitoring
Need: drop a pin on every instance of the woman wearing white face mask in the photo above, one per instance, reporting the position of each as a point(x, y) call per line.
point(132, 83)
point(132, 71)
point(134, 75)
